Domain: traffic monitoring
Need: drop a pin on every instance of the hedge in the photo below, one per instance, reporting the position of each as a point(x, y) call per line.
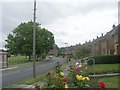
point(108, 59)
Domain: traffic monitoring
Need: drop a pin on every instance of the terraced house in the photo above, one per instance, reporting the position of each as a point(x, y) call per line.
point(108, 44)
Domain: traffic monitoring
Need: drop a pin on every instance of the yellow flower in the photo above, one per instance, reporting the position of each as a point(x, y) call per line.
point(83, 78)
point(87, 78)
point(80, 77)
point(55, 76)
point(61, 73)
point(77, 76)
point(66, 86)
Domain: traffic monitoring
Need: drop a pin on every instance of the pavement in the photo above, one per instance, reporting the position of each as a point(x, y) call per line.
point(10, 67)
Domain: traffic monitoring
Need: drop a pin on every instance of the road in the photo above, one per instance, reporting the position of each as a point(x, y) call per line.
point(10, 77)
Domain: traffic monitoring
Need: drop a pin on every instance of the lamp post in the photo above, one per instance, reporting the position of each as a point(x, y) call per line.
point(34, 39)
point(66, 51)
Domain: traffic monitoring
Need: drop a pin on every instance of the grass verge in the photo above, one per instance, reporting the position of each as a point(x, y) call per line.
point(111, 82)
point(17, 60)
point(105, 68)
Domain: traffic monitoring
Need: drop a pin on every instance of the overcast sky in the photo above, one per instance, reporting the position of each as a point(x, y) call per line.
point(71, 21)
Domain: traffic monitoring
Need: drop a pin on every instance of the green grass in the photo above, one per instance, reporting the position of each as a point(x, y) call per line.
point(111, 82)
point(105, 68)
point(17, 59)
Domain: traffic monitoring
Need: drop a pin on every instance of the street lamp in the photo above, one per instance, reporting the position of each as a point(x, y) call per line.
point(66, 50)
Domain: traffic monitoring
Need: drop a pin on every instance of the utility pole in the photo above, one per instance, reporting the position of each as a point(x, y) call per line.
point(34, 39)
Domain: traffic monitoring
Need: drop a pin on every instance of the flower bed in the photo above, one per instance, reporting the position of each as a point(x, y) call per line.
point(77, 77)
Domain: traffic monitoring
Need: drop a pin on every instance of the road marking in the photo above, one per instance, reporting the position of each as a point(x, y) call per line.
point(8, 68)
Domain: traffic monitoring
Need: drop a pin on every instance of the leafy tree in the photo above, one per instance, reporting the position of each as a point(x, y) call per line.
point(82, 51)
point(20, 41)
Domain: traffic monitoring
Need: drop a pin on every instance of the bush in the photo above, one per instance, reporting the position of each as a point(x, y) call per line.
point(108, 59)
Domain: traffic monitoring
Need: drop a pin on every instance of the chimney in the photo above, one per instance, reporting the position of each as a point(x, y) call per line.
point(97, 37)
point(113, 26)
point(102, 34)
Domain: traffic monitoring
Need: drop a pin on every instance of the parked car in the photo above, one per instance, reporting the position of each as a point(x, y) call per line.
point(48, 58)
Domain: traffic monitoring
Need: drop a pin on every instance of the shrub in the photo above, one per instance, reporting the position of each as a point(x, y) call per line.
point(108, 59)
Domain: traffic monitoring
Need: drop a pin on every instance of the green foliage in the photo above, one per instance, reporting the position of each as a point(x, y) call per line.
point(82, 51)
point(20, 41)
point(108, 59)
point(104, 68)
point(43, 55)
point(61, 52)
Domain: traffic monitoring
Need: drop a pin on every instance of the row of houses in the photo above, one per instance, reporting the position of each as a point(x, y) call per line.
point(108, 44)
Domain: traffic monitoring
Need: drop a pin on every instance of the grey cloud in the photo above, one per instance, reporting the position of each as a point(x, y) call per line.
point(94, 6)
point(48, 12)
point(13, 13)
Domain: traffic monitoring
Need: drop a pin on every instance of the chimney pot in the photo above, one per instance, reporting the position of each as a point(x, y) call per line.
point(102, 34)
point(113, 26)
point(97, 37)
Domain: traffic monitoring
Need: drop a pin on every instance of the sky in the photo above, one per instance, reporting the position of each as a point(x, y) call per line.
point(71, 21)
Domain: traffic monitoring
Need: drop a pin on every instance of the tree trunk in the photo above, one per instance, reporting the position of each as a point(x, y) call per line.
point(37, 57)
point(29, 57)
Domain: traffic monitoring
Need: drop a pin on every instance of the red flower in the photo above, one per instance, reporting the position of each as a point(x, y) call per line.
point(78, 68)
point(49, 73)
point(101, 84)
point(65, 80)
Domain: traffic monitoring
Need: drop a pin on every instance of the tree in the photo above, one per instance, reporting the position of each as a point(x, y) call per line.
point(20, 41)
point(82, 51)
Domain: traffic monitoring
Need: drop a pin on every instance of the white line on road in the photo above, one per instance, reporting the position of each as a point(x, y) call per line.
point(8, 68)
